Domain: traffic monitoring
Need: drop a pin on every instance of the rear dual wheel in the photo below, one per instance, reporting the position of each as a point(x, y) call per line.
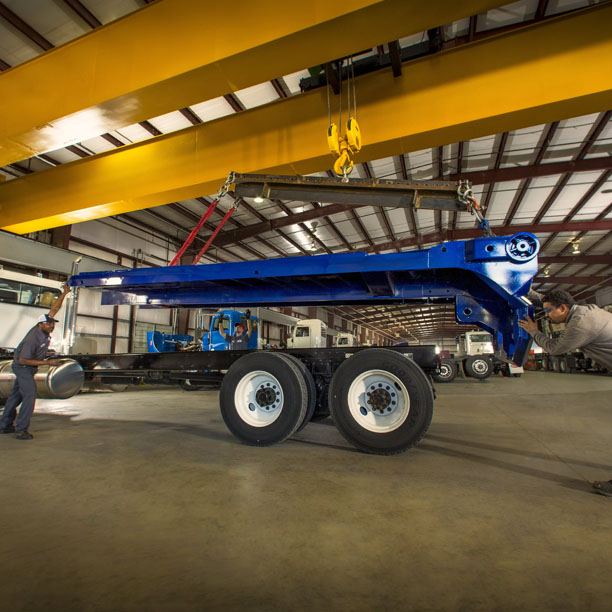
point(264, 398)
point(311, 389)
point(381, 401)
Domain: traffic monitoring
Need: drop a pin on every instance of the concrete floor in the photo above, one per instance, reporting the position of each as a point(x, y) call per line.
point(143, 501)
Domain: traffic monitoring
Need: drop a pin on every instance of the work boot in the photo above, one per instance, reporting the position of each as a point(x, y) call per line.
point(23, 435)
point(8, 429)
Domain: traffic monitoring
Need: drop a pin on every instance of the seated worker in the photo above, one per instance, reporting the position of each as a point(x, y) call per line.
point(588, 328)
point(240, 340)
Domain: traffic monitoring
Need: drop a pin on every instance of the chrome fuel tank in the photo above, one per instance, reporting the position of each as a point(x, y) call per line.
point(52, 382)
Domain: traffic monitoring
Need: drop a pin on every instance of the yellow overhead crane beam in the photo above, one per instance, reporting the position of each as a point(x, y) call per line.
point(555, 70)
point(176, 53)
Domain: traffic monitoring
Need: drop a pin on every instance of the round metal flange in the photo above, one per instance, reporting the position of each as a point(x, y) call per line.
point(522, 247)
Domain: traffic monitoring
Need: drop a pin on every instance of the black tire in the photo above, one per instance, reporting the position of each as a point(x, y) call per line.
point(563, 365)
point(263, 398)
point(479, 366)
point(403, 401)
point(546, 364)
point(554, 364)
point(311, 389)
point(448, 372)
point(516, 375)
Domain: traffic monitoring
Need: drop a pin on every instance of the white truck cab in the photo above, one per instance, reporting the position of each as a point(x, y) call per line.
point(345, 339)
point(23, 298)
point(308, 333)
point(475, 343)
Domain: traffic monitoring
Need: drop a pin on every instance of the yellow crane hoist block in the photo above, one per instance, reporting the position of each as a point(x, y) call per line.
point(343, 147)
point(333, 139)
point(353, 135)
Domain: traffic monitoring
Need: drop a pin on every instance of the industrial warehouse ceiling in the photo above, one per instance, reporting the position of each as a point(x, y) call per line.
point(541, 166)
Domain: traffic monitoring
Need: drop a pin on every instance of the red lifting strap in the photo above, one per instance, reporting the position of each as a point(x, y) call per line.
point(194, 232)
point(228, 214)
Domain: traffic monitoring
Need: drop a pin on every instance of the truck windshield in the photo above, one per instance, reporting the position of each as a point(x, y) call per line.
point(480, 338)
point(16, 292)
point(302, 332)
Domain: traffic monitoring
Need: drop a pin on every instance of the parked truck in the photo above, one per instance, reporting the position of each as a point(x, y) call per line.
point(475, 356)
point(381, 399)
point(345, 339)
point(23, 298)
point(308, 333)
point(568, 363)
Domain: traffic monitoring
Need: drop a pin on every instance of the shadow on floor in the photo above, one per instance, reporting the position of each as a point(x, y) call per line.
point(577, 484)
point(514, 451)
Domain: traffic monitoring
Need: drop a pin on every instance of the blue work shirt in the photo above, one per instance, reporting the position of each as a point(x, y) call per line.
point(34, 345)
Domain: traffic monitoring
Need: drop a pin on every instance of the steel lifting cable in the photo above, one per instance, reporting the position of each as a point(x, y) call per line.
point(344, 146)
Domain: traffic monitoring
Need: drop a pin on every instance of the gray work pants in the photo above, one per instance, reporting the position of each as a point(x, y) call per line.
point(24, 393)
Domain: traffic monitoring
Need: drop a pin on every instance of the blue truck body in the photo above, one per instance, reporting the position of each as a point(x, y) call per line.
point(486, 278)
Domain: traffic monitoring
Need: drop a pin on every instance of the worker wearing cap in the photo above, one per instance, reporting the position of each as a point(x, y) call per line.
point(28, 356)
point(240, 340)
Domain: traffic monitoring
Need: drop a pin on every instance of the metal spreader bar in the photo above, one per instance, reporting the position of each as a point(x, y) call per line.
point(434, 195)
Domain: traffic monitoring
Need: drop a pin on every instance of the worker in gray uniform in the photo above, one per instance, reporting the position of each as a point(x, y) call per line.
point(29, 354)
point(588, 328)
point(240, 340)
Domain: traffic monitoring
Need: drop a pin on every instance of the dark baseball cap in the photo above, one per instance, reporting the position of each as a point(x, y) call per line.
point(46, 319)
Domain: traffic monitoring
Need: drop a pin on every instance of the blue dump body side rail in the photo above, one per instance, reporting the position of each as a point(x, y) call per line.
point(486, 279)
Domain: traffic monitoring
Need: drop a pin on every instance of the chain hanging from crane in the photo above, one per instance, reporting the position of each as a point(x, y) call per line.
point(344, 146)
point(466, 197)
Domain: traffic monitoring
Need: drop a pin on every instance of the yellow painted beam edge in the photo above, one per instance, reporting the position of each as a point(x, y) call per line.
point(139, 67)
point(516, 80)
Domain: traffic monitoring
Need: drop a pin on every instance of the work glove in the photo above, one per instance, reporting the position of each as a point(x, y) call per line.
point(247, 314)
